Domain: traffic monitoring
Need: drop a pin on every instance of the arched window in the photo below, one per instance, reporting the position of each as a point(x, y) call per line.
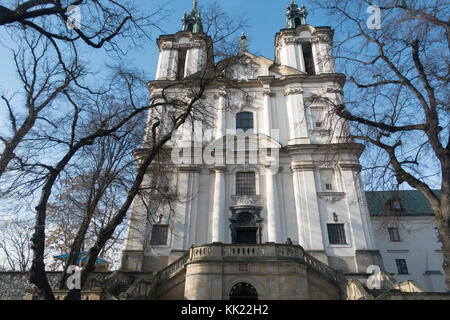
point(243, 290)
point(244, 121)
point(245, 183)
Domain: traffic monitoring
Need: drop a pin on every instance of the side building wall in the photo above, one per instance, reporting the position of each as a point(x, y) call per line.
point(418, 246)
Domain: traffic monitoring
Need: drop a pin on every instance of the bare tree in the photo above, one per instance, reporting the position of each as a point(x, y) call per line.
point(397, 97)
point(44, 82)
point(101, 114)
point(49, 43)
point(96, 23)
point(15, 243)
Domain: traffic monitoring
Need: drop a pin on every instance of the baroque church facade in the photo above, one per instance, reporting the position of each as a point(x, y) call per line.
point(293, 226)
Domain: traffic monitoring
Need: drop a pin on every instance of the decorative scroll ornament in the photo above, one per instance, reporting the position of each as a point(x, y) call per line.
point(290, 91)
point(246, 200)
point(331, 196)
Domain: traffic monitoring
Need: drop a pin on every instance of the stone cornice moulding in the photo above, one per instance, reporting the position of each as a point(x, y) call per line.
point(286, 80)
point(189, 168)
point(193, 37)
point(303, 166)
point(221, 168)
point(314, 39)
point(322, 33)
point(350, 166)
point(339, 148)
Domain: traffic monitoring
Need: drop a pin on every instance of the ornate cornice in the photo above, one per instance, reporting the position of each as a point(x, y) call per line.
point(314, 39)
point(291, 91)
point(170, 45)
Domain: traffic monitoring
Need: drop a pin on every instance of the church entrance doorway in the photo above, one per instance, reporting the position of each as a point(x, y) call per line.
point(243, 291)
point(246, 226)
point(246, 235)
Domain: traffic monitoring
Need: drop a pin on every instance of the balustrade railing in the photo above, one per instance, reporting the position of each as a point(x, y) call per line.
point(262, 250)
point(172, 268)
point(240, 250)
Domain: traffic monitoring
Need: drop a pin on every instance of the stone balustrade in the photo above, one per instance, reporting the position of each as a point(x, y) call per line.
point(172, 269)
point(219, 251)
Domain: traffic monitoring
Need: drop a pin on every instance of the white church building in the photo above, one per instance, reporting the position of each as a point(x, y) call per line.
point(282, 227)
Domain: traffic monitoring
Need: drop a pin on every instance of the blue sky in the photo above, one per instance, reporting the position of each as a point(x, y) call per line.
point(263, 17)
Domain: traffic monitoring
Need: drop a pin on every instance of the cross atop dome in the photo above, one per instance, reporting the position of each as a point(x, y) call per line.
point(193, 21)
point(295, 16)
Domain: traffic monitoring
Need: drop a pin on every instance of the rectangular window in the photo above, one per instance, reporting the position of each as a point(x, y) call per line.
point(159, 234)
point(328, 186)
point(245, 183)
point(308, 57)
point(244, 121)
point(393, 234)
point(318, 124)
point(401, 266)
point(336, 233)
point(181, 63)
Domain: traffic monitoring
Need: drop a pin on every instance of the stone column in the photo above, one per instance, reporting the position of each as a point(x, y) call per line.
point(220, 121)
point(273, 211)
point(298, 130)
point(362, 236)
point(307, 207)
point(218, 206)
point(299, 213)
point(190, 202)
point(300, 58)
point(267, 111)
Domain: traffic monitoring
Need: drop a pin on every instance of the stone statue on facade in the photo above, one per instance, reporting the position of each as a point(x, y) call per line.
point(192, 21)
point(295, 16)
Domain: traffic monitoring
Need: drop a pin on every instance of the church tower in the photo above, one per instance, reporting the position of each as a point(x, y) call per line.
point(306, 198)
point(186, 52)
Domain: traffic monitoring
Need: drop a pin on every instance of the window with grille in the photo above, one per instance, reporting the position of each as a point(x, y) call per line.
point(245, 183)
point(159, 234)
point(401, 266)
point(336, 233)
point(244, 121)
point(393, 234)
